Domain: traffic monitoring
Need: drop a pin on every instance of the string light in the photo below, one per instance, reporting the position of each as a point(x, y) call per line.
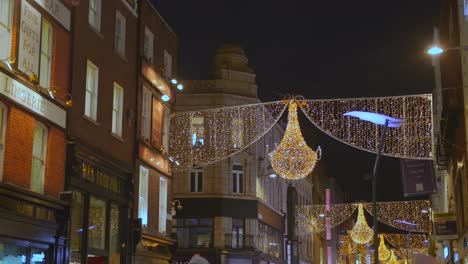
point(293, 159)
point(337, 215)
point(412, 140)
point(361, 232)
point(384, 253)
point(393, 259)
point(200, 138)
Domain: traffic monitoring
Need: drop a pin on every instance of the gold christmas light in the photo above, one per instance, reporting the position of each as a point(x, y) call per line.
point(393, 259)
point(293, 159)
point(361, 232)
point(384, 253)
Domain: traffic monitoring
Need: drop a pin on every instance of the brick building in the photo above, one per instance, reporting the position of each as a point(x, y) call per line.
point(34, 85)
point(102, 127)
point(153, 185)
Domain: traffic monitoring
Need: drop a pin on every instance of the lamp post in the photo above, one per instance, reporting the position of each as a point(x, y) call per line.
point(386, 121)
point(411, 226)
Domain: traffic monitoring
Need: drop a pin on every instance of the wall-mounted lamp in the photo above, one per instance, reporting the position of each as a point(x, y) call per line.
point(176, 205)
point(69, 101)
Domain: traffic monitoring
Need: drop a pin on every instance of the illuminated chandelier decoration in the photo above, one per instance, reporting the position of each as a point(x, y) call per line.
point(384, 253)
point(361, 232)
point(293, 159)
point(393, 259)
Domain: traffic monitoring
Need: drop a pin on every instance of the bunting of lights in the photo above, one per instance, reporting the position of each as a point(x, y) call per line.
point(312, 218)
point(199, 138)
point(412, 140)
point(384, 253)
point(361, 232)
point(293, 159)
point(393, 213)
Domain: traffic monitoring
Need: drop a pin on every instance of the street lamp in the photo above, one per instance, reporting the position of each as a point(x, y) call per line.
point(386, 121)
point(411, 225)
point(176, 204)
point(437, 50)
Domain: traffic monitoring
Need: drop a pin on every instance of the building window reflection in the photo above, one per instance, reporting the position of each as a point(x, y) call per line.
point(195, 232)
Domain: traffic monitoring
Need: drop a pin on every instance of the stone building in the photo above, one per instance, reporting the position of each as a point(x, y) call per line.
point(234, 211)
point(35, 41)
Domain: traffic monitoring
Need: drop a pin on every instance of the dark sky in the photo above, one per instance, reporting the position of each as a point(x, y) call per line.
point(319, 49)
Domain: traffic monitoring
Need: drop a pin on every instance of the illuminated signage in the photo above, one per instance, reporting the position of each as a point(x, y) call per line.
point(32, 100)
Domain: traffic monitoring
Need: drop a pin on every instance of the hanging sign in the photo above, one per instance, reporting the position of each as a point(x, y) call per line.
point(29, 39)
point(418, 177)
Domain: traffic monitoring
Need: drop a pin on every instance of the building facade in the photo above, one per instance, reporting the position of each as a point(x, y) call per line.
point(35, 43)
point(450, 128)
point(234, 211)
point(102, 128)
point(153, 185)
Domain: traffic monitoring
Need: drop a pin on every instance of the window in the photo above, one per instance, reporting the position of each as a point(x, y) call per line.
point(196, 181)
point(3, 123)
point(167, 65)
point(117, 109)
point(165, 129)
point(237, 178)
point(162, 205)
point(146, 114)
point(120, 24)
point(46, 54)
point(194, 232)
point(157, 123)
point(143, 195)
point(94, 15)
point(39, 158)
point(148, 47)
point(237, 133)
point(197, 130)
point(6, 22)
point(114, 235)
point(97, 217)
point(237, 233)
point(92, 77)
point(465, 9)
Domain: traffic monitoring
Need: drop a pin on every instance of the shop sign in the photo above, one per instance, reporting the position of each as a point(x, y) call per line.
point(91, 173)
point(32, 100)
point(57, 10)
point(29, 40)
point(445, 226)
point(418, 177)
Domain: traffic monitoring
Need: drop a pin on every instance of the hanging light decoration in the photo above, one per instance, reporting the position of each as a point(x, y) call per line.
point(384, 253)
point(393, 259)
point(361, 232)
point(293, 159)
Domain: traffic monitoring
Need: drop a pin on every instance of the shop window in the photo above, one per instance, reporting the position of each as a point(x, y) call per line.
point(197, 130)
point(237, 136)
point(120, 31)
point(46, 54)
point(94, 14)
point(3, 123)
point(114, 235)
point(196, 181)
point(162, 205)
point(91, 97)
point(39, 158)
point(167, 65)
point(146, 115)
point(237, 233)
point(237, 178)
point(148, 45)
point(195, 232)
point(117, 110)
point(6, 25)
point(143, 195)
point(97, 223)
point(157, 123)
point(76, 230)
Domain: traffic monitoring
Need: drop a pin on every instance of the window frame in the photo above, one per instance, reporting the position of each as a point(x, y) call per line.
point(44, 81)
point(93, 92)
point(96, 24)
point(143, 187)
point(148, 45)
point(197, 129)
point(7, 26)
point(3, 125)
point(237, 237)
point(162, 207)
point(117, 110)
point(146, 114)
point(197, 175)
point(42, 159)
point(120, 33)
point(237, 135)
point(237, 179)
point(165, 128)
point(167, 64)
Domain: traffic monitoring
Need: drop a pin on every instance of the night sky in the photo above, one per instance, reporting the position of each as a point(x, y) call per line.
point(318, 49)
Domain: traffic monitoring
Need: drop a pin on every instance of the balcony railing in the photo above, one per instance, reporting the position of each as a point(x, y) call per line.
point(239, 241)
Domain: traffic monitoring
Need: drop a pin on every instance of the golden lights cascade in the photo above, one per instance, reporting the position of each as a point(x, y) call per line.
point(384, 253)
point(393, 259)
point(361, 232)
point(293, 159)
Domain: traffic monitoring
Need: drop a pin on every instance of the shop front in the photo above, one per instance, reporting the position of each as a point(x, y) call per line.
point(99, 209)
